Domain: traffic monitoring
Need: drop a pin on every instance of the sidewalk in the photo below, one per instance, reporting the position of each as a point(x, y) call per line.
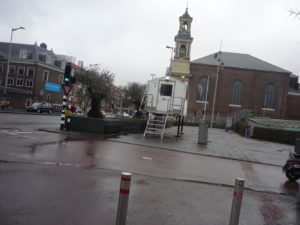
point(220, 144)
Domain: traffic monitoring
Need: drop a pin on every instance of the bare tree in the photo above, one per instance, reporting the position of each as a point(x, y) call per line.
point(97, 84)
point(294, 12)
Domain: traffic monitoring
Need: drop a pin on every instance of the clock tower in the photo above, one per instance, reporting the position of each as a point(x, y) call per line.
point(180, 66)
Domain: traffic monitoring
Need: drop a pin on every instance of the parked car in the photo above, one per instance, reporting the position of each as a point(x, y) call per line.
point(40, 107)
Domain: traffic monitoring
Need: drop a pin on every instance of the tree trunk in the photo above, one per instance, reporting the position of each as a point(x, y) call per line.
point(95, 108)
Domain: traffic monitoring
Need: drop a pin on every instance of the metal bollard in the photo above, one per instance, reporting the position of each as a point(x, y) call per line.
point(237, 201)
point(123, 198)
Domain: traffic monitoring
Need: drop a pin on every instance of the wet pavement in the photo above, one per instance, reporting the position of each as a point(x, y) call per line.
point(50, 194)
point(72, 178)
point(220, 143)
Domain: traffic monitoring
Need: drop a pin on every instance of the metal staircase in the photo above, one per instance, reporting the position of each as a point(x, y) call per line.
point(240, 116)
point(156, 124)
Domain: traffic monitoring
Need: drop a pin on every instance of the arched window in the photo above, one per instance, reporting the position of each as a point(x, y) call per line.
point(201, 89)
point(270, 96)
point(182, 51)
point(236, 92)
point(185, 26)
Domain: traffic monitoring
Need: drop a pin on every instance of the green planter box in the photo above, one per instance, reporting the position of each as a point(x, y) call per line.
point(107, 126)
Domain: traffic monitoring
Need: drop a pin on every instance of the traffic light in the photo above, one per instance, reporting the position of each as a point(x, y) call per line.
point(69, 76)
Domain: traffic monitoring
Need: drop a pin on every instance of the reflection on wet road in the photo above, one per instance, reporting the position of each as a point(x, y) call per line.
point(46, 147)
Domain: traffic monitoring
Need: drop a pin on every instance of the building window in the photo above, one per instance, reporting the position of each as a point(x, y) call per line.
point(48, 59)
point(23, 54)
point(28, 83)
point(61, 79)
point(166, 89)
point(1, 68)
point(185, 26)
point(28, 102)
point(19, 82)
point(10, 81)
point(0, 80)
point(21, 70)
point(45, 75)
point(236, 92)
point(12, 69)
point(202, 89)
point(270, 96)
point(30, 71)
point(182, 51)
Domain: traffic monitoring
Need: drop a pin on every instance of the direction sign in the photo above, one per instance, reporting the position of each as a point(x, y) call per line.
point(52, 87)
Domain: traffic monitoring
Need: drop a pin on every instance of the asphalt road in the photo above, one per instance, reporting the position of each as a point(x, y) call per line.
point(23, 145)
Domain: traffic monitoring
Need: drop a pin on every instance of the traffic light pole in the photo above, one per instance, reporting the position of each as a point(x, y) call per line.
point(67, 89)
point(67, 86)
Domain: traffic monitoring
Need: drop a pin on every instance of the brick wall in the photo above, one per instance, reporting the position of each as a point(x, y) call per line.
point(254, 83)
point(293, 107)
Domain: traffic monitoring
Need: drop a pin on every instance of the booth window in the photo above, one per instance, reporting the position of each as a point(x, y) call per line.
point(166, 90)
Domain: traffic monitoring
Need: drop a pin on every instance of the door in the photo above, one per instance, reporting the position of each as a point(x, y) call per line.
point(164, 97)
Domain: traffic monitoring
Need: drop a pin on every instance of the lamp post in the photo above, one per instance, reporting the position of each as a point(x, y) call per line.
point(93, 66)
point(9, 56)
point(172, 50)
point(220, 66)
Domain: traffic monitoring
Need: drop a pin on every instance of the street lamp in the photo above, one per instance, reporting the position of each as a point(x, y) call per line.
point(9, 56)
point(172, 50)
point(93, 65)
point(220, 66)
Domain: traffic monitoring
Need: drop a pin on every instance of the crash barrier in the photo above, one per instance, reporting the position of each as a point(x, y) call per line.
point(237, 201)
point(123, 198)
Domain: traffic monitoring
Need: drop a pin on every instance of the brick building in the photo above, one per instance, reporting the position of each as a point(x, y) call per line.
point(244, 83)
point(31, 66)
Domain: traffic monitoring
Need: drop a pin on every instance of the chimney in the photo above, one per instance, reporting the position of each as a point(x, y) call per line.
point(43, 45)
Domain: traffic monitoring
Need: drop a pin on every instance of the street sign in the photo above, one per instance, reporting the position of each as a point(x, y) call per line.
point(67, 89)
point(52, 87)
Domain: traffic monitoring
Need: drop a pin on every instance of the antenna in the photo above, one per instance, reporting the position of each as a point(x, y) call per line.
point(221, 44)
point(187, 5)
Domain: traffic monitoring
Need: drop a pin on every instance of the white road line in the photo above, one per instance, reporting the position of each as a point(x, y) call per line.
point(15, 134)
point(147, 158)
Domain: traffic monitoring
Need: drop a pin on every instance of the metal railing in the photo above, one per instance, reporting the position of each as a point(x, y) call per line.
point(242, 115)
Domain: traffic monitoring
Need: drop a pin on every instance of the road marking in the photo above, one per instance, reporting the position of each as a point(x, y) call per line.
point(16, 134)
point(147, 158)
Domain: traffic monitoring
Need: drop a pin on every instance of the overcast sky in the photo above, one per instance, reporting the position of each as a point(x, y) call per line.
point(129, 36)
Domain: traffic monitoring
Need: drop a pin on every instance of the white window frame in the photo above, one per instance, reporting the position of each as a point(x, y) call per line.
point(44, 73)
point(29, 85)
point(24, 70)
point(33, 69)
point(13, 81)
point(28, 102)
point(19, 85)
point(23, 53)
point(12, 66)
point(61, 79)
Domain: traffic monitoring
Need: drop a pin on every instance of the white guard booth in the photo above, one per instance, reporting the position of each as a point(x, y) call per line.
point(165, 96)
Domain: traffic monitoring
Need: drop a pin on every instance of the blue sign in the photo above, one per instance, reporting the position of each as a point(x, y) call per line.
point(52, 87)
